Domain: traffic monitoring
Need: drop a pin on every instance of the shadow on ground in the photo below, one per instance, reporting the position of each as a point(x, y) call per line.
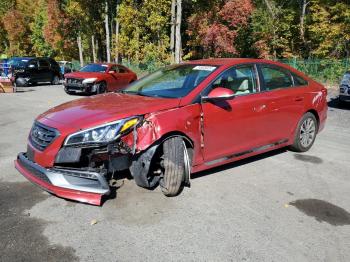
point(238, 163)
point(323, 211)
point(21, 235)
point(335, 103)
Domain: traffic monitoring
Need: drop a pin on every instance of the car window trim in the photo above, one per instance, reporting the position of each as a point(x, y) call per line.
point(281, 69)
point(294, 75)
point(257, 81)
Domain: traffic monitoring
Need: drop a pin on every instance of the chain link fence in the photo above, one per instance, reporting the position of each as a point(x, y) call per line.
point(327, 71)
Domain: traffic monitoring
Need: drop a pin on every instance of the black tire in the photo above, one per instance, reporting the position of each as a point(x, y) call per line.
point(304, 137)
point(341, 103)
point(173, 165)
point(101, 88)
point(20, 82)
point(55, 80)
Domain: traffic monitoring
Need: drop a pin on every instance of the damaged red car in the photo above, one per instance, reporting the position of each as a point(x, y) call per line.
point(98, 78)
point(177, 121)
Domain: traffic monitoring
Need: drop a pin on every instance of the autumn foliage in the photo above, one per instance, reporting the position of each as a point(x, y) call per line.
point(210, 28)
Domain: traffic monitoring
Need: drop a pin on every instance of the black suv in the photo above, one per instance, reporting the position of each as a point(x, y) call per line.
point(31, 70)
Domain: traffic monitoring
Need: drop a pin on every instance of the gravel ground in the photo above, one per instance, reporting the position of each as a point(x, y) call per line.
point(279, 206)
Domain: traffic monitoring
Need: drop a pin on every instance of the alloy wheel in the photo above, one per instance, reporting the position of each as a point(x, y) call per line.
point(307, 132)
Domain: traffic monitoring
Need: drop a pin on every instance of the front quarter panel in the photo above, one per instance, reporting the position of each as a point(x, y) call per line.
point(179, 121)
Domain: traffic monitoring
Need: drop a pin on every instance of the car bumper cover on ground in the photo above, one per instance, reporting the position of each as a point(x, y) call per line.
point(82, 186)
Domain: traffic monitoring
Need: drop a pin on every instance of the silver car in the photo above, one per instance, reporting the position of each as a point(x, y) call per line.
point(344, 90)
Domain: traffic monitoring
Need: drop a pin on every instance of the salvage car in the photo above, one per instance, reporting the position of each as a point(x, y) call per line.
point(32, 70)
point(344, 89)
point(98, 78)
point(182, 119)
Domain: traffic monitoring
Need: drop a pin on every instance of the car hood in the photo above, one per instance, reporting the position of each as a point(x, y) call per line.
point(95, 110)
point(83, 75)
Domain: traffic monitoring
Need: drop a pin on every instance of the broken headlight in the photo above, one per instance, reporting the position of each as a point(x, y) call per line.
point(103, 133)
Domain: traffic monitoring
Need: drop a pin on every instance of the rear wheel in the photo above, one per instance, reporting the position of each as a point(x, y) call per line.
point(175, 164)
point(305, 134)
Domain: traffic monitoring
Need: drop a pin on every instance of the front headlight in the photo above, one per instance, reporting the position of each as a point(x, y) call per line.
point(103, 134)
point(89, 80)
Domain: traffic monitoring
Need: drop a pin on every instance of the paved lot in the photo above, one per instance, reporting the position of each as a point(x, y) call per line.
point(280, 206)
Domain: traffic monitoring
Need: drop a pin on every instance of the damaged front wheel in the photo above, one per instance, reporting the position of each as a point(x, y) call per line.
point(175, 164)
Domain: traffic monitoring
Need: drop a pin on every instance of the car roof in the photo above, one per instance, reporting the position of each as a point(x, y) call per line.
point(21, 57)
point(230, 61)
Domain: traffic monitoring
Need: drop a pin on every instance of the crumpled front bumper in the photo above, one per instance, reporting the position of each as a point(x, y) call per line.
point(75, 184)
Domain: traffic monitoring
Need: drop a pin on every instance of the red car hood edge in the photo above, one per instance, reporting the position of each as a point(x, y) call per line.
point(83, 75)
point(95, 110)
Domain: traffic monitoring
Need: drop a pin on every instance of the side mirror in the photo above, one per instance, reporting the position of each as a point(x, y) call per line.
point(111, 72)
point(219, 93)
point(32, 66)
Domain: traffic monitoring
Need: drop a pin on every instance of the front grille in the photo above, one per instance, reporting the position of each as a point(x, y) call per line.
point(42, 136)
point(74, 81)
point(35, 171)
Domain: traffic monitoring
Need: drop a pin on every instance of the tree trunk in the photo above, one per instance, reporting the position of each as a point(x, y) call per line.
point(302, 23)
point(172, 31)
point(269, 6)
point(117, 38)
point(178, 31)
point(108, 48)
point(93, 48)
point(80, 51)
point(98, 56)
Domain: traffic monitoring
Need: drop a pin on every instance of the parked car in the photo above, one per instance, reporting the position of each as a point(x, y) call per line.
point(179, 120)
point(98, 78)
point(344, 89)
point(32, 70)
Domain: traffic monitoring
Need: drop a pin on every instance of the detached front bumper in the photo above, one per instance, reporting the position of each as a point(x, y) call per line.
point(82, 186)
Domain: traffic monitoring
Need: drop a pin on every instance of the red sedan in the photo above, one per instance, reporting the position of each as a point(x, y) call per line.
point(98, 78)
point(179, 120)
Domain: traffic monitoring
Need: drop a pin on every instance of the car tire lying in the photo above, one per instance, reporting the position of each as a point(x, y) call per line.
point(174, 166)
point(305, 133)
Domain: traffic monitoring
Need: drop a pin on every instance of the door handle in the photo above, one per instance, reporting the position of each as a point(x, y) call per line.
point(299, 98)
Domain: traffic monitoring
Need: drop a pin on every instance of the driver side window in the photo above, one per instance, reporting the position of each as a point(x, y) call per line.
point(114, 68)
point(241, 80)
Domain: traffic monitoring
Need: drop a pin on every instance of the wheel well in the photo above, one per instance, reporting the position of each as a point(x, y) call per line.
point(314, 112)
point(188, 141)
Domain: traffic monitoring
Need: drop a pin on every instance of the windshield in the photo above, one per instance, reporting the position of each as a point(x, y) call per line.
point(94, 68)
point(18, 62)
point(171, 82)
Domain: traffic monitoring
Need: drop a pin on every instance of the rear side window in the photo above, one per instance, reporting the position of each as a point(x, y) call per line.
point(299, 81)
point(122, 69)
point(275, 78)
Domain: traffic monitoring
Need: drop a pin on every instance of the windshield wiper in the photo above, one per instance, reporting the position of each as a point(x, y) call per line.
point(138, 93)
